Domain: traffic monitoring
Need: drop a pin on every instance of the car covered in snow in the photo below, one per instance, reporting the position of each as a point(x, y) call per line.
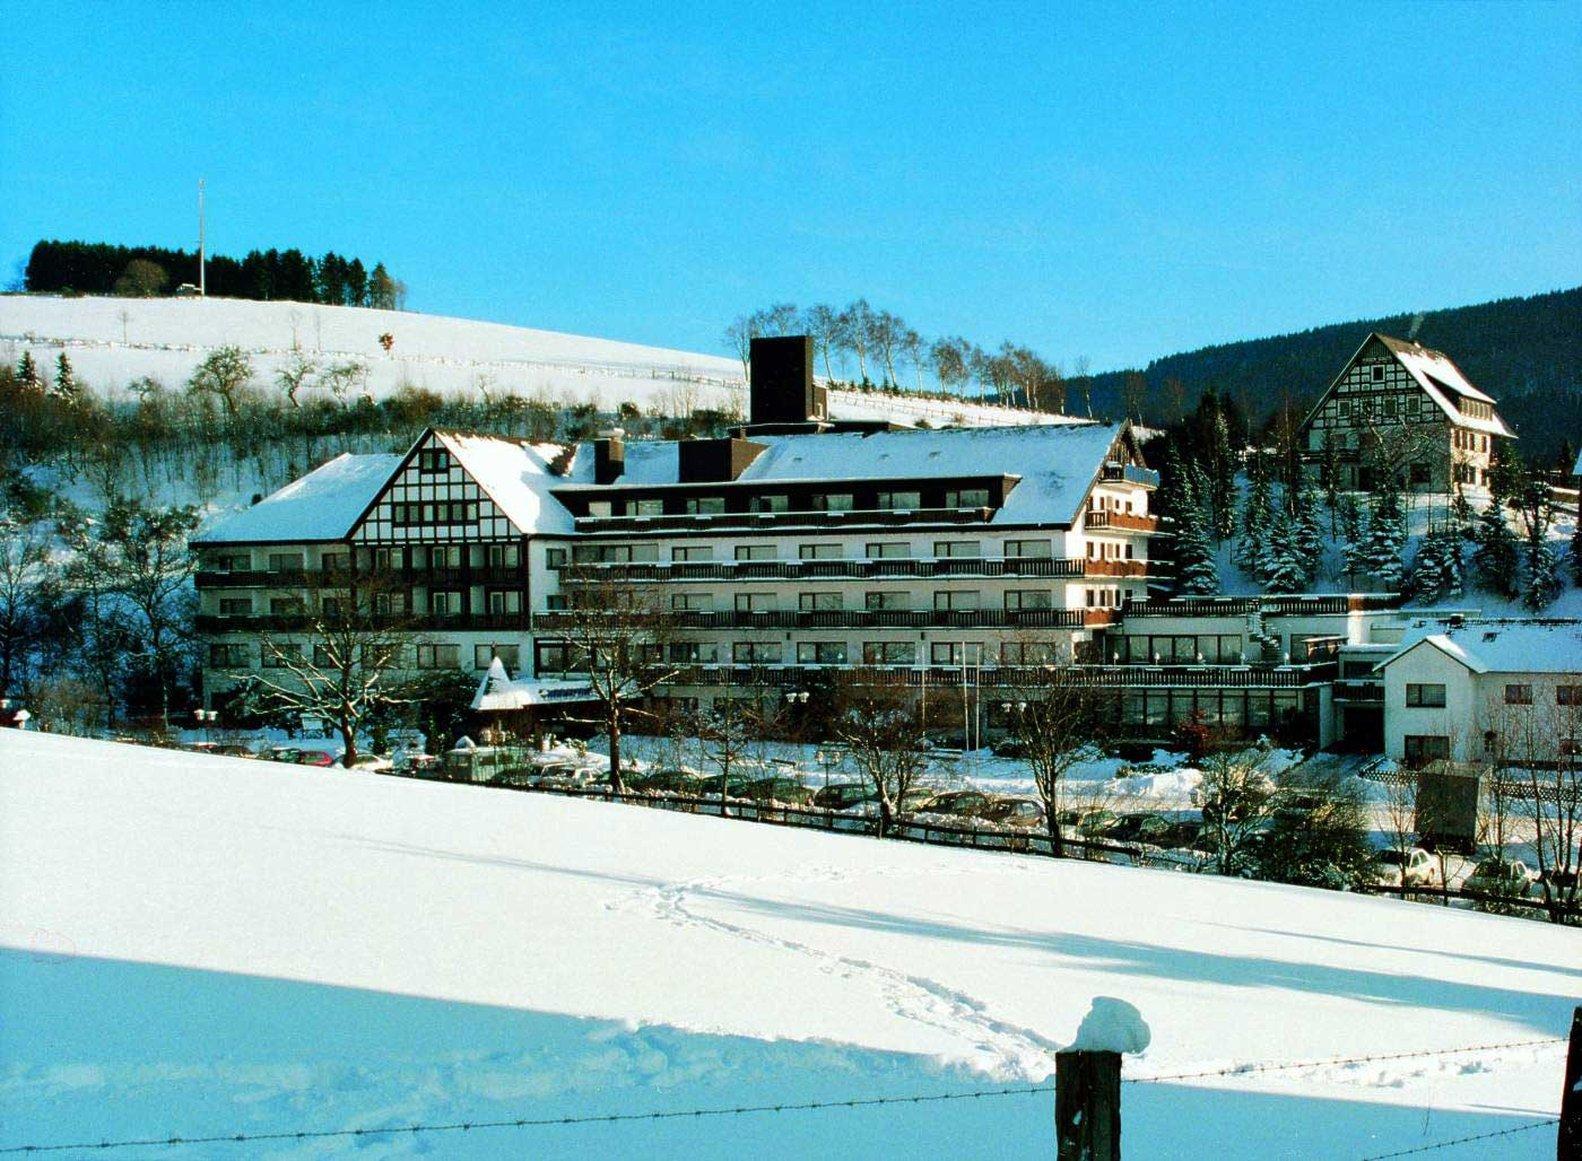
point(969, 803)
point(1509, 878)
point(1019, 813)
point(1413, 868)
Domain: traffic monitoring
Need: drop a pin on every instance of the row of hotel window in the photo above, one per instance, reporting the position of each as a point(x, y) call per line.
point(438, 556)
point(563, 657)
point(440, 602)
point(452, 602)
point(425, 656)
point(1430, 695)
point(885, 501)
point(893, 600)
point(560, 657)
point(649, 553)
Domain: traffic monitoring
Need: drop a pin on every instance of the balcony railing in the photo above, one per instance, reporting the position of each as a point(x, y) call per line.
point(865, 619)
point(1026, 677)
point(1241, 606)
point(1121, 521)
point(418, 623)
point(331, 578)
point(1132, 474)
point(736, 570)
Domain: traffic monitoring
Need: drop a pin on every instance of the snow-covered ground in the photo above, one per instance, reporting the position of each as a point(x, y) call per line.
point(113, 341)
point(193, 945)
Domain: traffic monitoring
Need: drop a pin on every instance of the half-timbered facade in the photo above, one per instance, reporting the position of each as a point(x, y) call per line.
point(1403, 409)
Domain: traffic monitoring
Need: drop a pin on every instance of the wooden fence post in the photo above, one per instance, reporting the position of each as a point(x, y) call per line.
point(1088, 1106)
point(1569, 1144)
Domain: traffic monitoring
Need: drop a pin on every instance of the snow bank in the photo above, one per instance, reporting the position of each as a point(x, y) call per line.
point(193, 944)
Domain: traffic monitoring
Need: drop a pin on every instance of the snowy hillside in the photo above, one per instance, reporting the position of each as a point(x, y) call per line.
point(112, 341)
point(197, 946)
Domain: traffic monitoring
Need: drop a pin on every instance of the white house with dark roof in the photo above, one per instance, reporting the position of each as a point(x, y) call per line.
point(1475, 689)
point(1402, 408)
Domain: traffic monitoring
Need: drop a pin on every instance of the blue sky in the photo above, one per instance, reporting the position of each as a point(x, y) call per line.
point(1108, 182)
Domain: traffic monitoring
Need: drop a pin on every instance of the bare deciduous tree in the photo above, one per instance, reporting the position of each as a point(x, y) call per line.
point(884, 739)
point(618, 631)
point(1054, 720)
point(341, 666)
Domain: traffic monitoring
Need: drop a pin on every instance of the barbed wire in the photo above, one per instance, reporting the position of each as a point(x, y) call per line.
point(539, 1122)
point(175, 1140)
point(1464, 1140)
point(1293, 1065)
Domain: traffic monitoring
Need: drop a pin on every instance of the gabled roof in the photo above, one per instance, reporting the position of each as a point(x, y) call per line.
point(515, 475)
point(1439, 377)
point(322, 505)
point(1055, 466)
point(1508, 646)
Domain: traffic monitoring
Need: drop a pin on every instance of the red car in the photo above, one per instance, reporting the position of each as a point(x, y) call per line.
point(314, 758)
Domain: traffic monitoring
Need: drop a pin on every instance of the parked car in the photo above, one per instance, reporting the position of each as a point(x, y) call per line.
point(371, 762)
point(281, 753)
point(778, 789)
point(969, 803)
point(671, 779)
point(1506, 877)
point(314, 758)
point(232, 750)
point(1415, 868)
point(843, 795)
point(1147, 827)
point(1021, 813)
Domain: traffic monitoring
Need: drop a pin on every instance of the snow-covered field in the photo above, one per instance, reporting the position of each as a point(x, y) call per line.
point(197, 946)
point(113, 341)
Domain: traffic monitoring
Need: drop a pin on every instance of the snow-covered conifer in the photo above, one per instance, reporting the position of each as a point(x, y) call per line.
point(1495, 559)
point(1543, 580)
point(1195, 571)
point(1286, 571)
point(66, 385)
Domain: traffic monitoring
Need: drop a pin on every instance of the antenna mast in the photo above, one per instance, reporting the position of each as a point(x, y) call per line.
point(203, 284)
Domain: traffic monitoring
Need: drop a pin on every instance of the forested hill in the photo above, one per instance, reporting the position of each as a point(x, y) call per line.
point(1526, 352)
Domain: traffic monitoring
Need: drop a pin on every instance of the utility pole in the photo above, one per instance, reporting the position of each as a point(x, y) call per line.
point(203, 278)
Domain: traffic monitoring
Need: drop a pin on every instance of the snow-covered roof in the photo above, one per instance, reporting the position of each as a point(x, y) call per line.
point(1443, 380)
point(516, 477)
point(322, 505)
point(1506, 646)
point(497, 692)
point(1055, 465)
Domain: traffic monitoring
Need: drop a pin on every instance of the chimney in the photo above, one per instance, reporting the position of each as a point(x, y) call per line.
point(609, 456)
point(781, 380)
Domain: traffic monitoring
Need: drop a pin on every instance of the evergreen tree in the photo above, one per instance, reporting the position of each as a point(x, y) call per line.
point(1576, 552)
point(1543, 581)
point(381, 288)
point(27, 373)
point(1496, 556)
point(1195, 571)
point(1385, 539)
point(1436, 572)
point(1257, 520)
point(1222, 478)
point(1286, 571)
point(66, 386)
point(1462, 514)
point(1309, 536)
